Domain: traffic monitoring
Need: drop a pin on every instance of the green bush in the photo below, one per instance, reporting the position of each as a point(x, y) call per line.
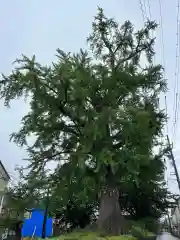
point(139, 231)
point(91, 236)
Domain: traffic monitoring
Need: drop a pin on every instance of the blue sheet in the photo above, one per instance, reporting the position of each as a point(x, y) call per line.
point(35, 223)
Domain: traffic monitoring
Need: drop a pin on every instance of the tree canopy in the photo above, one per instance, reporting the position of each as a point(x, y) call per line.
point(96, 109)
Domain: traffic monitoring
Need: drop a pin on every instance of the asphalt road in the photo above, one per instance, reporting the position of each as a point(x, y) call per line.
point(166, 236)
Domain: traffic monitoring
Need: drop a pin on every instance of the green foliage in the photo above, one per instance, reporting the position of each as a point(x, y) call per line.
point(92, 236)
point(103, 112)
point(74, 184)
point(28, 193)
point(98, 111)
point(74, 200)
point(151, 197)
point(138, 231)
point(151, 224)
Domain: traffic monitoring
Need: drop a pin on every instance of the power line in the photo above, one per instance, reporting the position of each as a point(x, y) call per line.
point(176, 103)
point(167, 130)
point(163, 57)
point(162, 34)
point(144, 16)
point(149, 8)
point(164, 76)
point(174, 163)
point(143, 10)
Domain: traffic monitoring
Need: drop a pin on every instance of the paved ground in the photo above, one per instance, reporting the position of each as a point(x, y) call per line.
point(166, 236)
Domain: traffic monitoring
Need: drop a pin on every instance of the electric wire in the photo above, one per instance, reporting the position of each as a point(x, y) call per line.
point(149, 9)
point(176, 102)
point(144, 17)
point(163, 60)
point(143, 10)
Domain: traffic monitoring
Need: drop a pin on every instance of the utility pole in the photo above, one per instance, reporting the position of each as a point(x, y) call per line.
point(169, 220)
point(174, 163)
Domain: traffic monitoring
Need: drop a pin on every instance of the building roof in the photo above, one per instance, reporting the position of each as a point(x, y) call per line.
point(5, 171)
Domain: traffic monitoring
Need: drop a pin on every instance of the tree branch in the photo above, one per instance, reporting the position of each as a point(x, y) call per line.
point(63, 110)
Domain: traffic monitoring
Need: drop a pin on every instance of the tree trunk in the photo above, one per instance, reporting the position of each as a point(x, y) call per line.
point(45, 218)
point(110, 219)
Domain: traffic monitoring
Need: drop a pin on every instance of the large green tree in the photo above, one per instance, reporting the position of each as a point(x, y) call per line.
point(97, 108)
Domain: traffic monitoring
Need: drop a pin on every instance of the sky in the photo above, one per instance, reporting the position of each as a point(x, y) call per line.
point(40, 27)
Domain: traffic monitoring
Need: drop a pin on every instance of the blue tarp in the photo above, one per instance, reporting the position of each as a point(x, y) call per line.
point(35, 224)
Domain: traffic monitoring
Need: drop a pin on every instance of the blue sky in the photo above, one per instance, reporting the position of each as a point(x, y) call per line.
point(39, 27)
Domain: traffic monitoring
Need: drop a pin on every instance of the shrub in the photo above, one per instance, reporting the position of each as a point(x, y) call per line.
point(92, 236)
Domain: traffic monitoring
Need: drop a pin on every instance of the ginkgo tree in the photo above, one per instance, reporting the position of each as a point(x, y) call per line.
point(98, 108)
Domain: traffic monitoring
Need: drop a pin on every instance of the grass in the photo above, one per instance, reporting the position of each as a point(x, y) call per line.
point(91, 236)
point(136, 232)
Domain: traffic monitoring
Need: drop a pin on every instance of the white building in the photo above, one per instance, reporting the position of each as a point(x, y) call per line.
point(175, 214)
point(4, 179)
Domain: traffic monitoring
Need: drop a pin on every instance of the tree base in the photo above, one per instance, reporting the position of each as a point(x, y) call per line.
point(110, 220)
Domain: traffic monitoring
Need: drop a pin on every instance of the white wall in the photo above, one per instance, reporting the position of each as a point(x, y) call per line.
point(176, 215)
point(3, 185)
